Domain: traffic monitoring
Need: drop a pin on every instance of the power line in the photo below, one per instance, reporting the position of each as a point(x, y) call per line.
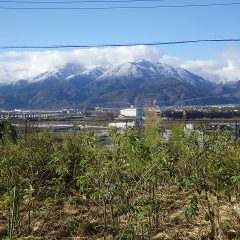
point(121, 7)
point(84, 1)
point(121, 45)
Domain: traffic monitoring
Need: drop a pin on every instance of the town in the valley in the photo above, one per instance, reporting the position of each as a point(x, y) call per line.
point(100, 119)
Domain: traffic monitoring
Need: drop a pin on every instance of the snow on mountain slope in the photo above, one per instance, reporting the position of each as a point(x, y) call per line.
point(144, 69)
point(159, 69)
point(163, 70)
point(59, 73)
point(129, 70)
point(91, 73)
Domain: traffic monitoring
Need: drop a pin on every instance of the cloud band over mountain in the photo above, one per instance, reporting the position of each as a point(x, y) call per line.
point(224, 66)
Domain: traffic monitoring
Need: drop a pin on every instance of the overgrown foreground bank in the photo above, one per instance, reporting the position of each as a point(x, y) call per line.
point(137, 187)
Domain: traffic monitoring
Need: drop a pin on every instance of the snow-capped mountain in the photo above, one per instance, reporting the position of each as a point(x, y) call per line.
point(144, 69)
point(58, 74)
point(127, 83)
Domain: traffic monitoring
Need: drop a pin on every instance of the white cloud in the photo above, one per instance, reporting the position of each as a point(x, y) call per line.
point(15, 65)
point(225, 66)
point(20, 65)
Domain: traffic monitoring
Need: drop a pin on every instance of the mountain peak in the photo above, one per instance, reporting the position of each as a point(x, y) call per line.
point(123, 71)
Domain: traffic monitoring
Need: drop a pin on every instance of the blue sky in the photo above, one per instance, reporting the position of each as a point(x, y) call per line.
point(53, 27)
point(50, 27)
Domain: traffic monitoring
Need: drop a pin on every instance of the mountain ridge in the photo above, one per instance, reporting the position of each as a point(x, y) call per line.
point(127, 83)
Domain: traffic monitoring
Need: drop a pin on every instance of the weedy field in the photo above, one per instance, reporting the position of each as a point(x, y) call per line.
point(135, 187)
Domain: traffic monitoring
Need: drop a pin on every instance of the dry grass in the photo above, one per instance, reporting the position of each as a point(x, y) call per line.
point(64, 220)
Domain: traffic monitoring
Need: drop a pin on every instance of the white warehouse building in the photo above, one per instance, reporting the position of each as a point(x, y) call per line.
point(132, 112)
